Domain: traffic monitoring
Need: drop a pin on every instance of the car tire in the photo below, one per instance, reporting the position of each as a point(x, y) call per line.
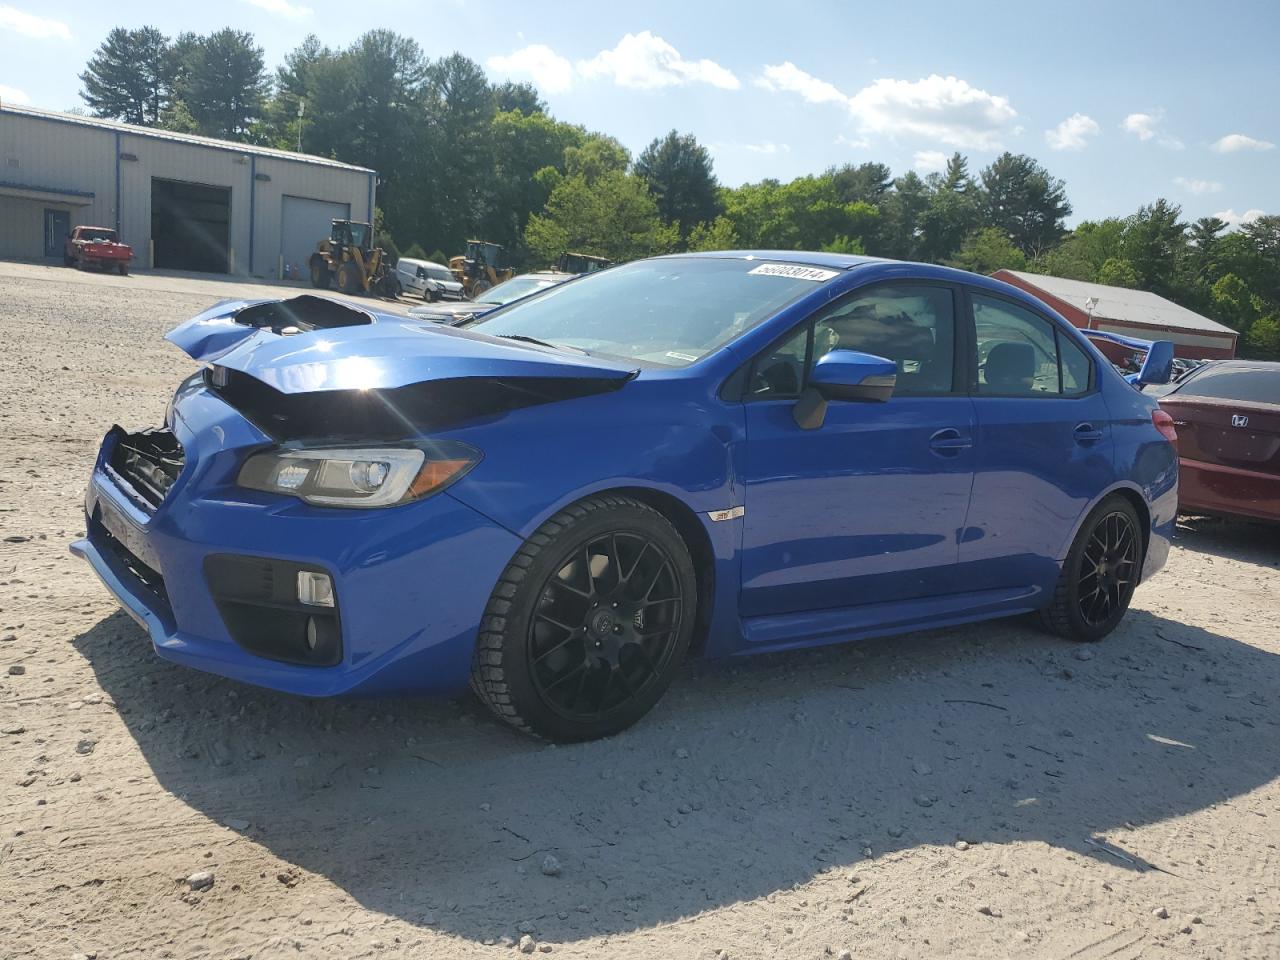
point(573, 645)
point(319, 273)
point(123, 269)
point(349, 278)
point(1099, 575)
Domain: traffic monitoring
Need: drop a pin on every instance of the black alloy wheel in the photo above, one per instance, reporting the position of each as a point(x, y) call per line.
point(1109, 568)
point(605, 625)
point(589, 622)
point(1100, 573)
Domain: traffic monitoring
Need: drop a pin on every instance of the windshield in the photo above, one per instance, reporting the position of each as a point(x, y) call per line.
point(516, 288)
point(440, 273)
point(98, 235)
point(670, 312)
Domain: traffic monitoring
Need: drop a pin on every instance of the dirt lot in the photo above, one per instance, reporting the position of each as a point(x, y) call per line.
point(979, 792)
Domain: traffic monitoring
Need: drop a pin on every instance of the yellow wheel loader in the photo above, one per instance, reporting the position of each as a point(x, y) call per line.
point(348, 259)
point(483, 265)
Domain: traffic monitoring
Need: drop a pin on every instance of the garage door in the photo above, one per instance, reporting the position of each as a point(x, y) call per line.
point(190, 225)
point(305, 223)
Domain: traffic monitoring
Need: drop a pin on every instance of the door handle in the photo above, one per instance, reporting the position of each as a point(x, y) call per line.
point(949, 441)
point(1087, 433)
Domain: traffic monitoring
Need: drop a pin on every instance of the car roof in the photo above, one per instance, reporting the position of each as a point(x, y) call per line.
point(882, 266)
point(812, 258)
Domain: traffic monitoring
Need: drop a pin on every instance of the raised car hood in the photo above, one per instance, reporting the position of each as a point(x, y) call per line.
point(312, 344)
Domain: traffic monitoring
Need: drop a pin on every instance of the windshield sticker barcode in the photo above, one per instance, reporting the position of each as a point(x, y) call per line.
point(794, 271)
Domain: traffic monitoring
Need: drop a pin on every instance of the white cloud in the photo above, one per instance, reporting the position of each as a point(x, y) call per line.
point(787, 77)
point(767, 147)
point(13, 20)
point(1146, 126)
point(1233, 219)
point(1198, 186)
point(13, 95)
point(1233, 142)
point(643, 61)
point(945, 109)
point(282, 8)
point(930, 161)
point(857, 143)
point(1072, 133)
point(550, 72)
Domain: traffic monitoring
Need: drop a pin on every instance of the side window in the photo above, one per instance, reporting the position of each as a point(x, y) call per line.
point(1076, 366)
point(912, 325)
point(778, 373)
point(1018, 352)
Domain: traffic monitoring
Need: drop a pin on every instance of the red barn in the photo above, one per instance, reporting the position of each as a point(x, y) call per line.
point(1134, 313)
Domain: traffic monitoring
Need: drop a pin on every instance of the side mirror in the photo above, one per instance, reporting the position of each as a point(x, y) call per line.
point(1158, 367)
point(844, 375)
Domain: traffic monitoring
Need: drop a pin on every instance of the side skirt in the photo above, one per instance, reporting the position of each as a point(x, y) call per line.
point(819, 627)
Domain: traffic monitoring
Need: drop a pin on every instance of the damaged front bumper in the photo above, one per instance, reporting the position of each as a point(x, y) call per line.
point(211, 570)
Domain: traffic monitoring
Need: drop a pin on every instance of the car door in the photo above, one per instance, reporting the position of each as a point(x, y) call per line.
point(1044, 444)
point(867, 507)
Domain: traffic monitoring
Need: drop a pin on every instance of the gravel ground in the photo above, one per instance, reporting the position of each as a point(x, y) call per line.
point(976, 792)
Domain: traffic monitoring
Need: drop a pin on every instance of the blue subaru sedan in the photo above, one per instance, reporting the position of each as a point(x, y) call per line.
point(556, 503)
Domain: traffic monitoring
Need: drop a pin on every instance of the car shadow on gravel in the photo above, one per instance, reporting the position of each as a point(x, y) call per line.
point(749, 778)
point(1252, 541)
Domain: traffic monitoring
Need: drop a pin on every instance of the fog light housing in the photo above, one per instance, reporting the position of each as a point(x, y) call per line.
point(315, 589)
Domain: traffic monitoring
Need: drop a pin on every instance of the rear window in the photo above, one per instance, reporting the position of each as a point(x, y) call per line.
point(1247, 386)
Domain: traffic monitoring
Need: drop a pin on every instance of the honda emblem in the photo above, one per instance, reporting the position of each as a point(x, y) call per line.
point(1239, 420)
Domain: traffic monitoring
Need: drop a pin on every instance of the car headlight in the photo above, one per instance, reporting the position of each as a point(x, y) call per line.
point(359, 476)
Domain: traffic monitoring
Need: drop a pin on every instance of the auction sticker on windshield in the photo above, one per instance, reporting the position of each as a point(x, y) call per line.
point(793, 271)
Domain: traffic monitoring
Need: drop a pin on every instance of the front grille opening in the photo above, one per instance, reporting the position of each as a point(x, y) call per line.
point(149, 462)
point(130, 564)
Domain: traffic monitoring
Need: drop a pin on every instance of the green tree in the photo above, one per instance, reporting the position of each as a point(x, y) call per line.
point(296, 82)
point(951, 212)
point(522, 97)
point(221, 82)
point(448, 186)
point(612, 216)
point(899, 232)
point(678, 172)
point(988, 250)
point(595, 156)
point(1263, 339)
point(1118, 272)
point(864, 183)
point(1154, 243)
point(716, 235)
point(1025, 203)
point(128, 76)
point(1234, 304)
point(805, 213)
point(523, 144)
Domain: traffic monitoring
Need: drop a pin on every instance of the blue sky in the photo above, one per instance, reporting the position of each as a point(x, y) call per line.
point(1125, 101)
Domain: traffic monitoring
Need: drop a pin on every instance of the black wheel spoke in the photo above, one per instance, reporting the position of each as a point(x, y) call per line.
point(573, 637)
point(1105, 581)
point(606, 635)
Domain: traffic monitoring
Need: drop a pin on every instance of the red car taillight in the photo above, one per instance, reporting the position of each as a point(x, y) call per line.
point(1164, 423)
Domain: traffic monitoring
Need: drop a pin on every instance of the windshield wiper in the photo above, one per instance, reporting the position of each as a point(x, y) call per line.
point(524, 338)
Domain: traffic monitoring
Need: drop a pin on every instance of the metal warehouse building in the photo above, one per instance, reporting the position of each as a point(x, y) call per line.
point(1134, 313)
point(183, 202)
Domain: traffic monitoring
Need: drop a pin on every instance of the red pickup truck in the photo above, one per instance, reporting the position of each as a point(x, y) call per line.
point(97, 247)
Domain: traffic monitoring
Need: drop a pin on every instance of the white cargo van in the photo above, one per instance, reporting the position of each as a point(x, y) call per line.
point(430, 281)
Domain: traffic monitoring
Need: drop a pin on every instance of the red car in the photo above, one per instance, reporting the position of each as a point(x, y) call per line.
point(97, 247)
point(1227, 414)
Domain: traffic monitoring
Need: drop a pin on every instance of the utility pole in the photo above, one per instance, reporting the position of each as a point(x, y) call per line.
point(302, 108)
